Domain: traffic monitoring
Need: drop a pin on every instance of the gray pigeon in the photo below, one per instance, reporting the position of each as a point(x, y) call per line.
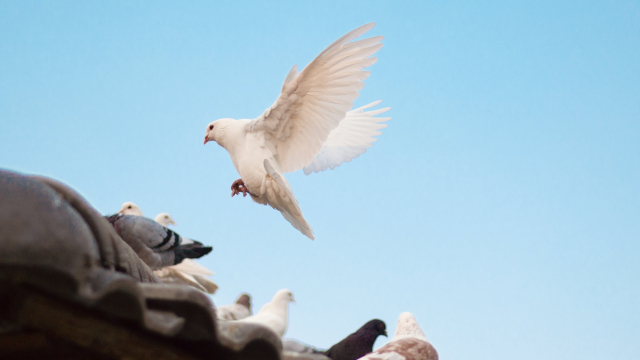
point(156, 245)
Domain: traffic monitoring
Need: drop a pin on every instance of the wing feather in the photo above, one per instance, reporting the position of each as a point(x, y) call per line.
point(313, 103)
point(353, 136)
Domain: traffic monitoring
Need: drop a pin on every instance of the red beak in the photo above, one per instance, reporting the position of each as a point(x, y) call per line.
point(206, 140)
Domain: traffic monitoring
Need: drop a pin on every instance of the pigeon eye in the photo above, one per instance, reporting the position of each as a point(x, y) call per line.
point(210, 127)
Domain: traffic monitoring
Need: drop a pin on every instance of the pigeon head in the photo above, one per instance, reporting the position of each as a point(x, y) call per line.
point(130, 208)
point(164, 219)
point(408, 326)
point(216, 131)
point(284, 295)
point(244, 300)
point(376, 326)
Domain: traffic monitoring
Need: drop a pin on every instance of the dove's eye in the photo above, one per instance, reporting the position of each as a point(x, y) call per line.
point(210, 127)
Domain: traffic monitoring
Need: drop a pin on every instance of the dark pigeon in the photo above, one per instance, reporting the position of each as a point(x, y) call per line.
point(358, 344)
point(155, 244)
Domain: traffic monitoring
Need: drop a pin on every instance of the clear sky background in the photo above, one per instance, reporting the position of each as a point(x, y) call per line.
point(501, 206)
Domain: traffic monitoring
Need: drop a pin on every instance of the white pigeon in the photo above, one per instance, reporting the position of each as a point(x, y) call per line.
point(188, 272)
point(164, 219)
point(274, 315)
point(408, 343)
point(236, 311)
point(309, 126)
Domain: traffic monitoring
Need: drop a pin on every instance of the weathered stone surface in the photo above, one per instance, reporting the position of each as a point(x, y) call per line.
point(40, 230)
point(292, 355)
point(69, 283)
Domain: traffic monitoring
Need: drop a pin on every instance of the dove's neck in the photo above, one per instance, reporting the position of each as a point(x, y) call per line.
point(277, 306)
point(231, 135)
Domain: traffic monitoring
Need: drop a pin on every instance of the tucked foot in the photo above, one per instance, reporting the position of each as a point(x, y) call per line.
point(238, 187)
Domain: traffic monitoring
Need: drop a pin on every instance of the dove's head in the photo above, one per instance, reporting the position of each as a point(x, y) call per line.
point(216, 130)
point(164, 219)
point(284, 295)
point(130, 208)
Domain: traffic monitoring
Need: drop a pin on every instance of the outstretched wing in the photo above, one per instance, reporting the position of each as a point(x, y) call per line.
point(314, 102)
point(353, 136)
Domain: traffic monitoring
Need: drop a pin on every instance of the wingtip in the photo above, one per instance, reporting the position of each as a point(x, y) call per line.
point(361, 30)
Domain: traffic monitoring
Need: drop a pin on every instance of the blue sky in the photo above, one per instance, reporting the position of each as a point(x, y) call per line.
point(501, 206)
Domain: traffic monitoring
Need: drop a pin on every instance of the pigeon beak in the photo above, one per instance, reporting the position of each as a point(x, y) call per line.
point(385, 333)
point(174, 223)
point(206, 140)
point(121, 212)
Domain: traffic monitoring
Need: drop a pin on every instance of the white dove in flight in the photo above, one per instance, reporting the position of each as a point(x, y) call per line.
point(309, 126)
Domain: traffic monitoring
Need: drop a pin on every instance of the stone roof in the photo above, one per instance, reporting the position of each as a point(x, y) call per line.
point(71, 288)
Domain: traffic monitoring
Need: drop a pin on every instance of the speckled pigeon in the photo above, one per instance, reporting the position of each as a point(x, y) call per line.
point(156, 245)
point(409, 343)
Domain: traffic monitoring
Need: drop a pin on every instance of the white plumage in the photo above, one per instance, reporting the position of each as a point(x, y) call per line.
point(188, 272)
point(164, 219)
point(129, 208)
point(275, 314)
point(353, 136)
point(309, 126)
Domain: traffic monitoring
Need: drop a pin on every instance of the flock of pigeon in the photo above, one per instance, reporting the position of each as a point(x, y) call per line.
point(310, 126)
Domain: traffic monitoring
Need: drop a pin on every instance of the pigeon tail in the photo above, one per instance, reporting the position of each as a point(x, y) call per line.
point(280, 197)
point(190, 253)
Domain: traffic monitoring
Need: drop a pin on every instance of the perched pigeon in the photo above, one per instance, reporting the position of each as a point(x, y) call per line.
point(164, 219)
point(236, 311)
point(408, 343)
point(188, 272)
point(156, 245)
point(309, 126)
point(274, 315)
point(359, 343)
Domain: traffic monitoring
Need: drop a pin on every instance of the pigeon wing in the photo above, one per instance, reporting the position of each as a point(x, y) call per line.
point(313, 102)
point(353, 136)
